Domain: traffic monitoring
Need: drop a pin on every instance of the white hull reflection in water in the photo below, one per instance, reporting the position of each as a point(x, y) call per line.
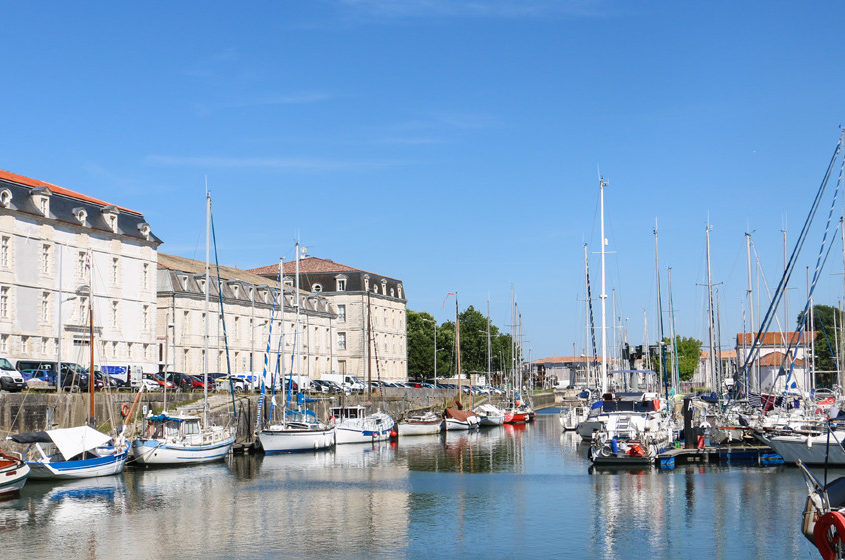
point(506, 492)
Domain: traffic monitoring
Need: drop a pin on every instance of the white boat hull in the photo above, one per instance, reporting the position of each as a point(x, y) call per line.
point(86, 468)
point(492, 420)
point(814, 452)
point(282, 440)
point(371, 428)
point(419, 428)
point(453, 424)
point(159, 452)
point(12, 479)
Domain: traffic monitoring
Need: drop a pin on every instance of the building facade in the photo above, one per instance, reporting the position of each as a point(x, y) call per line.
point(60, 249)
point(776, 348)
point(251, 323)
point(370, 332)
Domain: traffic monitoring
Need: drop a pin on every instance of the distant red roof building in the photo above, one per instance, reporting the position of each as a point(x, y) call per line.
point(769, 339)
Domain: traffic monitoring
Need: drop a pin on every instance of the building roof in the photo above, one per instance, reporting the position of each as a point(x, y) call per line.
point(775, 359)
point(55, 189)
point(311, 265)
point(726, 354)
point(191, 266)
point(769, 339)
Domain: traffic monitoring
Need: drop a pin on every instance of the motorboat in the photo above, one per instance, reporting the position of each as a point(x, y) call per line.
point(352, 424)
point(571, 416)
point(633, 437)
point(299, 431)
point(69, 453)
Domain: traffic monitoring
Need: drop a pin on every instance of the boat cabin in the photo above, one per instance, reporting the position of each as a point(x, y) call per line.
point(347, 412)
point(162, 426)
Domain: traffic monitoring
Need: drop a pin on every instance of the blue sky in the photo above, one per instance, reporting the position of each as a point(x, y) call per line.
point(454, 145)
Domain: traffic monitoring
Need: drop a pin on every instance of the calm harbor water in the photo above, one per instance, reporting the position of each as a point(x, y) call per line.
point(514, 491)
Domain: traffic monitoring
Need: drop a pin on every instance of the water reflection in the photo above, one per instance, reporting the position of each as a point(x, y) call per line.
point(509, 491)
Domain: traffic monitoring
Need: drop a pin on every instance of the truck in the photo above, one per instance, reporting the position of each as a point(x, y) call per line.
point(349, 383)
point(130, 374)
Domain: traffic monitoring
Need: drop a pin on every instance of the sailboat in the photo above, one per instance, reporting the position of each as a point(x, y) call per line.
point(299, 430)
point(489, 414)
point(456, 416)
point(352, 423)
point(182, 439)
point(80, 451)
point(424, 423)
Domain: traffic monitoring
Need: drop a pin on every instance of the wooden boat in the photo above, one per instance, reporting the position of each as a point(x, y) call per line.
point(13, 474)
point(420, 424)
point(458, 418)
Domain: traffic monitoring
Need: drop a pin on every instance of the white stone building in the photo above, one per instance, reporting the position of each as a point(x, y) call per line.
point(57, 247)
point(370, 332)
point(247, 311)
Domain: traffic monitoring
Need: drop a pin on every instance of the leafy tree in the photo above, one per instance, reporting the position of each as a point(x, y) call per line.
point(689, 353)
point(473, 345)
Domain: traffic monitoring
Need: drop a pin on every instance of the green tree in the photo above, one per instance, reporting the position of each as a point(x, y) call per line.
point(473, 345)
point(689, 353)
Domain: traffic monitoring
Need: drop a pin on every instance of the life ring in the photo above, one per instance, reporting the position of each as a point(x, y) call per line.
point(331, 420)
point(124, 410)
point(821, 533)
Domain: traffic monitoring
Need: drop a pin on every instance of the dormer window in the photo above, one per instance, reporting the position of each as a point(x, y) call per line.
point(110, 216)
point(236, 290)
point(375, 289)
point(5, 198)
point(317, 288)
point(184, 281)
point(366, 282)
point(80, 214)
point(384, 287)
point(144, 230)
point(341, 283)
point(41, 198)
point(288, 282)
point(399, 290)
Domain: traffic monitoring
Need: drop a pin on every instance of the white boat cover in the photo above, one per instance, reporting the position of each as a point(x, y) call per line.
point(73, 441)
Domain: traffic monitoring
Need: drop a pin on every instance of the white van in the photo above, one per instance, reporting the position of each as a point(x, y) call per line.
point(348, 382)
point(10, 379)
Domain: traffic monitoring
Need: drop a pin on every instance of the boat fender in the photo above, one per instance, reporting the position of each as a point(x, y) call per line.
point(824, 540)
point(124, 410)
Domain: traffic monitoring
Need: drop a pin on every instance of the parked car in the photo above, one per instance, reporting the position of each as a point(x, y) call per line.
point(39, 378)
point(150, 384)
point(10, 378)
point(222, 384)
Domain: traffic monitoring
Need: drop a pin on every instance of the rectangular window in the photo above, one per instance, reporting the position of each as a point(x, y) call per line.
point(146, 317)
point(45, 307)
point(341, 285)
point(186, 322)
point(4, 302)
point(115, 271)
point(114, 317)
point(4, 343)
point(81, 265)
point(341, 313)
point(83, 307)
point(341, 341)
point(146, 276)
point(45, 259)
point(341, 366)
point(6, 251)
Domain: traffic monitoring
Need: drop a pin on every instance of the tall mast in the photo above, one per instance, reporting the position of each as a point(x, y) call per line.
point(207, 291)
point(458, 344)
point(587, 329)
point(660, 336)
point(296, 340)
point(750, 292)
point(676, 375)
point(489, 343)
point(710, 315)
point(603, 295)
point(841, 327)
point(91, 336)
